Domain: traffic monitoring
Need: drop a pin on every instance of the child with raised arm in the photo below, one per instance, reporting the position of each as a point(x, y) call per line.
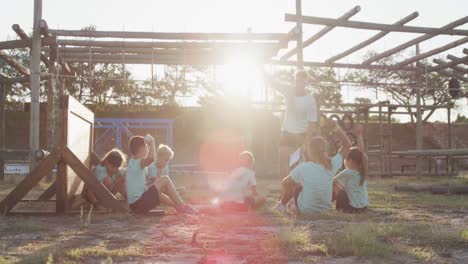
point(241, 188)
point(142, 199)
point(159, 168)
point(310, 183)
point(350, 185)
point(111, 173)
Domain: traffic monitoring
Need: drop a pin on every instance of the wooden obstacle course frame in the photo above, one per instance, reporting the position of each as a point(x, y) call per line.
point(65, 158)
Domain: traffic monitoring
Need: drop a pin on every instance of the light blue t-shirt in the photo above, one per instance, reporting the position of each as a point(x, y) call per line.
point(135, 180)
point(317, 183)
point(154, 171)
point(357, 194)
point(101, 172)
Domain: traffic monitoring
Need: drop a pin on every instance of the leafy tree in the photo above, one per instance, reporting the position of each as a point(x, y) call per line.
point(176, 81)
point(461, 119)
point(402, 86)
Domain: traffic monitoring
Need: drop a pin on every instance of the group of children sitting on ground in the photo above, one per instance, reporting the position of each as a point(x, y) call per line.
point(311, 186)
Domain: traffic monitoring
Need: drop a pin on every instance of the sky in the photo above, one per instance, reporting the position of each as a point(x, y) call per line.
point(239, 15)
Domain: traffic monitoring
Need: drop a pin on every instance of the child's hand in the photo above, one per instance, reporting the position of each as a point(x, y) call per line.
point(149, 138)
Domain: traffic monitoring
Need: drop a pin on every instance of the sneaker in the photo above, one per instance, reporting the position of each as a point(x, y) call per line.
point(187, 209)
point(279, 207)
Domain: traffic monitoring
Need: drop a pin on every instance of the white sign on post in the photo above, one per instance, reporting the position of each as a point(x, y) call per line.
point(16, 169)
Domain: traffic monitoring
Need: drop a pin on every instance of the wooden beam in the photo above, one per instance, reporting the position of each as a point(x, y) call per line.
point(423, 70)
point(140, 51)
point(166, 45)
point(169, 35)
point(42, 169)
point(371, 40)
point(451, 57)
point(180, 55)
point(14, 63)
point(375, 26)
point(433, 52)
point(26, 43)
point(49, 192)
point(101, 192)
point(20, 32)
point(415, 41)
point(321, 33)
point(447, 64)
point(458, 69)
point(345, 65)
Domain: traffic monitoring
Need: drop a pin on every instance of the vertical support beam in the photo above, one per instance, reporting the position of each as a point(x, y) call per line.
point(382, 142)
point(50, 107)
point(299, 44)
point(35, 82)
point(418, 130)
point(2, 123)
point(390, 136)
point(366, 132)
point(449, 139)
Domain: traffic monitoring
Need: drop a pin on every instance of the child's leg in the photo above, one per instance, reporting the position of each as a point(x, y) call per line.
point(288, 192)
point(164, 199)
point(165, 185)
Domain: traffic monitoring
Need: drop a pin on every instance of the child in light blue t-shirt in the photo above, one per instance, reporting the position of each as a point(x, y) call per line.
point(111, 173)
point(311, 182)
point(142, 198)
point(350, 186)
point(159, 168)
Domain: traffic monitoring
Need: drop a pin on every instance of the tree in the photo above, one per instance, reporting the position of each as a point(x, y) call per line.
point(176, 81)
point(19, 92)
point(402, 86)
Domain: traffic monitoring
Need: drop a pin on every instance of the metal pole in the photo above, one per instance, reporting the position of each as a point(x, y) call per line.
point(299, 46)
point(35, 81)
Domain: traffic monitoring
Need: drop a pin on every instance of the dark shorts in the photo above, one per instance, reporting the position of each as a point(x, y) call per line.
point(342, 203)
point(148, 201)
point(292, 140)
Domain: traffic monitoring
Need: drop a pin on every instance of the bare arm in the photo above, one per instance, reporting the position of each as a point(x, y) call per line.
point(151, 154)
point(345, 142)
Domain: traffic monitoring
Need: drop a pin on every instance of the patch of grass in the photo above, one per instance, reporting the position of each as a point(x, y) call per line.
point(385, 240)
point(4, 260)
point(359, 240)
point(459, 202)
point(423, 253)
point(297, 243)
point(44, 255)
point(102, 250)
point(21, 227)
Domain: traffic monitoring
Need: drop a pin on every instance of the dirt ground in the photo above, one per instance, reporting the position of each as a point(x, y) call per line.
point(398, 228)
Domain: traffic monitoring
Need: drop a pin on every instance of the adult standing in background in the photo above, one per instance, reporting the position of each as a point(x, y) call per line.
point(300, 118)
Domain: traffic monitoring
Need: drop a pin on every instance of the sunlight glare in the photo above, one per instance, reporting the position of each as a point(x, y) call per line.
point(240, 78)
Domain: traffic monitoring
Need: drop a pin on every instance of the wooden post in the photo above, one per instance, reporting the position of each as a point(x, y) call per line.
point(390, 136)
point(449, 139)
point(300, 51)
point(35, 82)
point(51, 126)
point(382, 142)
point(2, 123)
point(418, 130)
